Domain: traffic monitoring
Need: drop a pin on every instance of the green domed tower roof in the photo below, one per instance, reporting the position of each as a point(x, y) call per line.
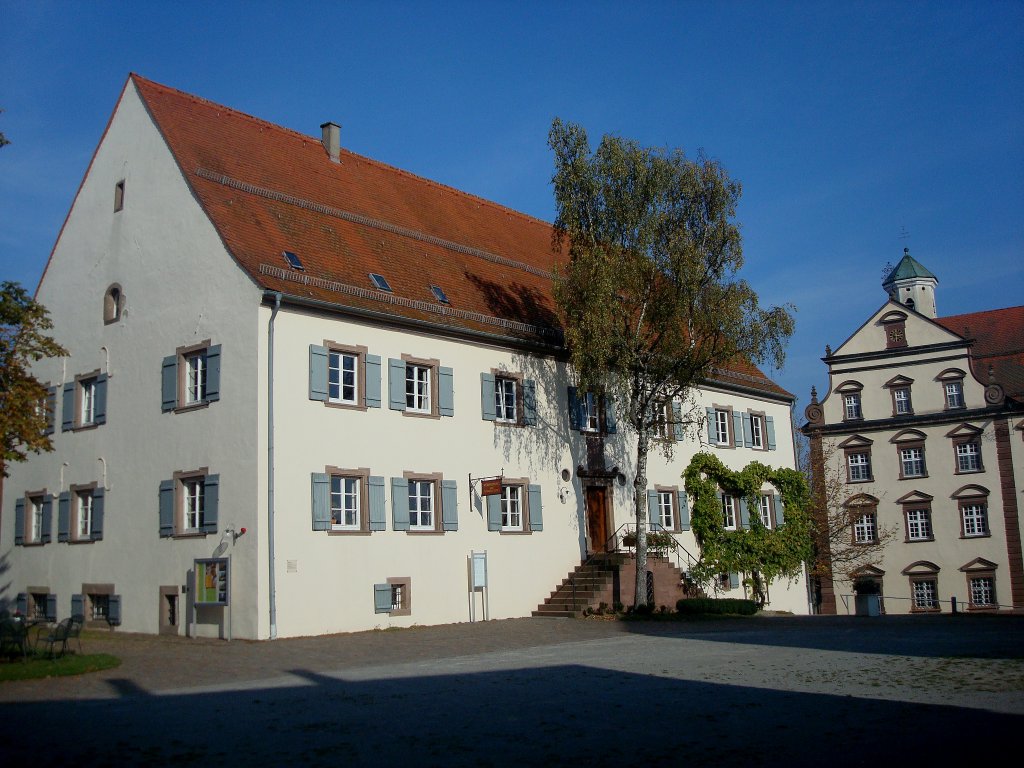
point(907, 269)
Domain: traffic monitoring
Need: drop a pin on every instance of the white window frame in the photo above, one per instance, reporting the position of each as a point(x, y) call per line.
point(506, 392)
point(859, 466)
point(730, 512)
point(591, 406)
point(968, 456)
point(764, 509)
point(512, 508)
point(87, 401)
point(974, 518)
point(417, 388)
point(723, 427)
point(851, 406)
point(83, 514)
point(919, 524)
point(757, 431)
point(954, 391)
point(667, 510)
point(422, 516)
point(346, 502)
point(35, 530)
point(340, 365)
point(195, 377)
point(912, 462)
point(983, 587)
point(925, 593)
point(901, 401)
point(865, 528)
point(193, 503)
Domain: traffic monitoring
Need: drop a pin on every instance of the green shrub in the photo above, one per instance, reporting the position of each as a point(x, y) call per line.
point(694, 605)
point(656, 540)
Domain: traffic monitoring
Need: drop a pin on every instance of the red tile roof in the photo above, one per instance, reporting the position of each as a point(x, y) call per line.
point(998, 336)
point(268, 189)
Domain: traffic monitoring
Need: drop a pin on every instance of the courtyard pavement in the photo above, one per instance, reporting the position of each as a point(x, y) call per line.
point(767, 690)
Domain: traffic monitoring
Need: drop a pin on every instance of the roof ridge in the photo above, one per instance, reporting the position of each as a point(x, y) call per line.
point(980, 312)
point(345, 151)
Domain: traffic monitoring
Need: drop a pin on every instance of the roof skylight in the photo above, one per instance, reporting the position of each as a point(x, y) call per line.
point(293, 260)
point(439, 294)
point(380, 283)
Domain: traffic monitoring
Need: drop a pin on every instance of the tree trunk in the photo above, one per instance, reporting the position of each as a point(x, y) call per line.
point(640, 509)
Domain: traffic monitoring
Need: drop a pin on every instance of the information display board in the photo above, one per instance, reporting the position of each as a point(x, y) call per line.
point(212, 580)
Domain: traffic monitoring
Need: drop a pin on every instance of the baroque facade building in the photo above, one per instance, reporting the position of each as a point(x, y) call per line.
point(923, 427)
point(289, 368)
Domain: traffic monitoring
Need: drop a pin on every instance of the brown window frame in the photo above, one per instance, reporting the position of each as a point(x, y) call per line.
point(674, 490)
point(180, 478)
point(363, 475)
point(359, 352)
point(436, 528)
point(434, 365)
point(518, 378)
point(75, 492)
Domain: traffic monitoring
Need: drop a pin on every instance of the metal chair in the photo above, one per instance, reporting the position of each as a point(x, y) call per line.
point(75, 631)
point(58, 635)
point(13, 636)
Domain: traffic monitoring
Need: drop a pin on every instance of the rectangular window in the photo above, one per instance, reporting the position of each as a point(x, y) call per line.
point(591, 407)
point(729, 509)
point(865, 528)
point(954, 394)
point(512, 508)
point(662, 421)
point(851, 406)
point(195, 377)
point(983, 592)
point(764, 509)
point(901, 401)
point(968, 457)
point(666, 510)
point(417, 388)
point(912, 462)
point(925, 592)
point(919, 524)
point(722, 427)
point(87, 401)
point(397, 597)
point(99, 607)
point(859, 466)
point(505, 400)
point(421, 505)
point(757, 431)
point(193, 497)
point(342, 380)
point(83, 525)
point(119, 196)
point(38, 606)
point(975, 519)
point(345, 503)
point(190, 377)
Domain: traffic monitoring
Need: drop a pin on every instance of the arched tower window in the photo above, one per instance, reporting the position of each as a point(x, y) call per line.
point(113, 303)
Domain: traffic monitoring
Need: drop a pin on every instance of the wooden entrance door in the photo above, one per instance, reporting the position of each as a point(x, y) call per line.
point(597, 517)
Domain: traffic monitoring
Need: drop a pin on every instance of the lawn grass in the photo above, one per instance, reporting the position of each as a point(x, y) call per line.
point(35, 667)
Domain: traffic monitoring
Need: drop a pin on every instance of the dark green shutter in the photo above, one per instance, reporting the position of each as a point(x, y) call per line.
point(373, 381)
point(780, 515)
point(98, 499)
point(68, 409)
point(493, 512)
point(378, 517)
point(321, 496)
point(610, 425)
point(64, 516)
point(211, 502)
point(536, 508)
point(574, 409)
point(166, 508)
point(529, 402)
point(770, 428)
point(712, 427)
point(19, 521)
point(114, 610)
point(99, 411)
point(653, 516)
point(684, 511)
point(396, 385)
point(399, 505)
point(47, 518)
point(449, 505)
point(213, 373)
point(446, 397)
point(487, 396)
point(78, 606)
point(169, 383)
point(317, 373)
point(382, 598)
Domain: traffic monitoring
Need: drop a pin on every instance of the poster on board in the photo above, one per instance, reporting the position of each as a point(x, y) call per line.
point(212, 581)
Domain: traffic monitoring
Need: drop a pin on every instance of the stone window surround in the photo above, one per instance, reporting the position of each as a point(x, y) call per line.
point(729, 422)
point(857, 507)
point(971, 495)
point(179, 478)
point(88, 590)
point(922, 570)
point(363, 475)
point(850, 387)
point(980, 569)
point(438, 498)
point(906, 440)
point(359, 352)
point(952, 376)
point(674, 490)
point(30, 498)
point(73, 535)
point(406, 583)
point(518, 378)
point(857, 444)
point(434, 365)
point(92, 376)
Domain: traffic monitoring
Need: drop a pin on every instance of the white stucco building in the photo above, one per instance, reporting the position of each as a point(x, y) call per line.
point(269, 333)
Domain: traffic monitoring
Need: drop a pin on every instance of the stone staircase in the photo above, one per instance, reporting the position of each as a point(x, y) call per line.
point(610, 578)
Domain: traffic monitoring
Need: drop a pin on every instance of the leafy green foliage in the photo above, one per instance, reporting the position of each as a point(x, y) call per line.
point(23, 322)
point(650, 299)
point(709, 605)
point(762, 553)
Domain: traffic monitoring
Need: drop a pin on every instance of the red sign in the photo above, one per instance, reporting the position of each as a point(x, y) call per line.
point(491, 487)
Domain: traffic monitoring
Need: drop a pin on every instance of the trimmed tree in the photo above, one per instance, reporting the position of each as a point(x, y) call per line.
point(650, 296)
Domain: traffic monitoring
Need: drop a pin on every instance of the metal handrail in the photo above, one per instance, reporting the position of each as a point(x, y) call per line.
point(956, 604)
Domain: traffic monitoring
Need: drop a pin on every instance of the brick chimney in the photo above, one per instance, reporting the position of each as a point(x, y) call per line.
point(332, 140)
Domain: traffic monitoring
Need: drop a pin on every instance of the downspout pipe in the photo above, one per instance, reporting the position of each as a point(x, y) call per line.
point(270, 465)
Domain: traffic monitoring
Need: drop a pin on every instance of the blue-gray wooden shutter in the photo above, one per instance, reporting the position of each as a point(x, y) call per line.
point(396, 386)
point(47, 518)
point(653, 513)
point(166, 508)
point(734, 580)
point(770, 429)
point(19, 521)
point(21, 603)
point(213, 373)
point(712, 427)
point(744, 513)
point(487, 397)
point(737, 429)
point(78, 605)
point(98, 499)
point(493, 512)
point(446, 396)
point(318, 359)
point(536, 508)
point(748, 432)
point(780, 515)
point(449, 505)
point(575, 418)
point(99, 410)
point(64, 516)
point(378, 517)
point(610, 425)
point(677, 422)
point(211, 502)
point(321, 495)
point(51, 607)
point(399, 505)
point(382, 598)
point(684, 511)
point(169, 383)
point(51, 409)
point(114, 610)
point(68, 409)
point(530, 402)
point(373, 381)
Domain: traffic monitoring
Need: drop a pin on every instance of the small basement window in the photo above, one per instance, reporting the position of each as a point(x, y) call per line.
point(293, 260)
point(439, 294)
point(379, 282)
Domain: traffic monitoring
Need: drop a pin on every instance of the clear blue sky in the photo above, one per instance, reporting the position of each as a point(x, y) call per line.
point(847, 123)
